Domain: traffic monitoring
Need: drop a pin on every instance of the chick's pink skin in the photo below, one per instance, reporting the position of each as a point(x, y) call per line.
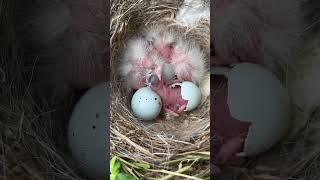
point(229, 133)
point(157, 50)
point(164, 49)
point(182, 64)
point(171, 98)
point(161, 41)
point(186, 58)
point(140, 66)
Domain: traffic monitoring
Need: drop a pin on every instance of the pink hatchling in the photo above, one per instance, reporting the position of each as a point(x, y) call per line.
point(158, 59)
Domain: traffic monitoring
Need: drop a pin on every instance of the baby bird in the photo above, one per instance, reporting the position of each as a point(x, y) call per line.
point(159, 59)
point(229, 133)
point(257, 31)
point(137, 65)
point(186, 58)
point(69, 34)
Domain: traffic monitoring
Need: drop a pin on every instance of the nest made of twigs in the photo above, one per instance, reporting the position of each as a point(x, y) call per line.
point(173, 147)
point(33, 121)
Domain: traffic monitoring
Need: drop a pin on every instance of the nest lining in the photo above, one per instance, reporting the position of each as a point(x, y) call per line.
point(33, 129)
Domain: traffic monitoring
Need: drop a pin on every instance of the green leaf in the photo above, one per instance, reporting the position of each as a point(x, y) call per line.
point(125, 177)
point(113, 161)
point(114, 166)
point(115, 170)
point(113, 176)
point(142, 165)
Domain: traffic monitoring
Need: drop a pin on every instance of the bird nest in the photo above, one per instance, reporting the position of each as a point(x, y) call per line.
point(33, 121)
point(169, 147)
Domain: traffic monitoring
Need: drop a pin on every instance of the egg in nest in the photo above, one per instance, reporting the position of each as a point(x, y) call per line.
point(250, 109)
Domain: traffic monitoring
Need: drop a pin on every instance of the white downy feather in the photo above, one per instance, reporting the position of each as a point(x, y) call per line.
point(191, 12)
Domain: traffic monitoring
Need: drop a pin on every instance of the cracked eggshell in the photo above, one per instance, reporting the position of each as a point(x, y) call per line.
point(87, 133)
point(191, 93)
point(256, 95)
point(146, 104)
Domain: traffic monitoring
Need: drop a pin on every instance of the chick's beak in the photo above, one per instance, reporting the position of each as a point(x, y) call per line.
point(155, 77)
point(158, 72)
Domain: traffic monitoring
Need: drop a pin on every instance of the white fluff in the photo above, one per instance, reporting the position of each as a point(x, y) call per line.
point(192, 11)
point(136, 49)
point(194, 61)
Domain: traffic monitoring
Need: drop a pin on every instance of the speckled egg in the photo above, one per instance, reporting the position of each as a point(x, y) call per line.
point(146, 104)
point(88, 134)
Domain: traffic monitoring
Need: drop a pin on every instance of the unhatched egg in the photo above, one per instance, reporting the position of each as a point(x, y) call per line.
point(146, 104)
point(88, 132)
point(253, 106)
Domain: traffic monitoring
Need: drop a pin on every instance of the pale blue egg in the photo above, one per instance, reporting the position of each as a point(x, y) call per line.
point(146, 104)
point(191, 93)
point(88, 131)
